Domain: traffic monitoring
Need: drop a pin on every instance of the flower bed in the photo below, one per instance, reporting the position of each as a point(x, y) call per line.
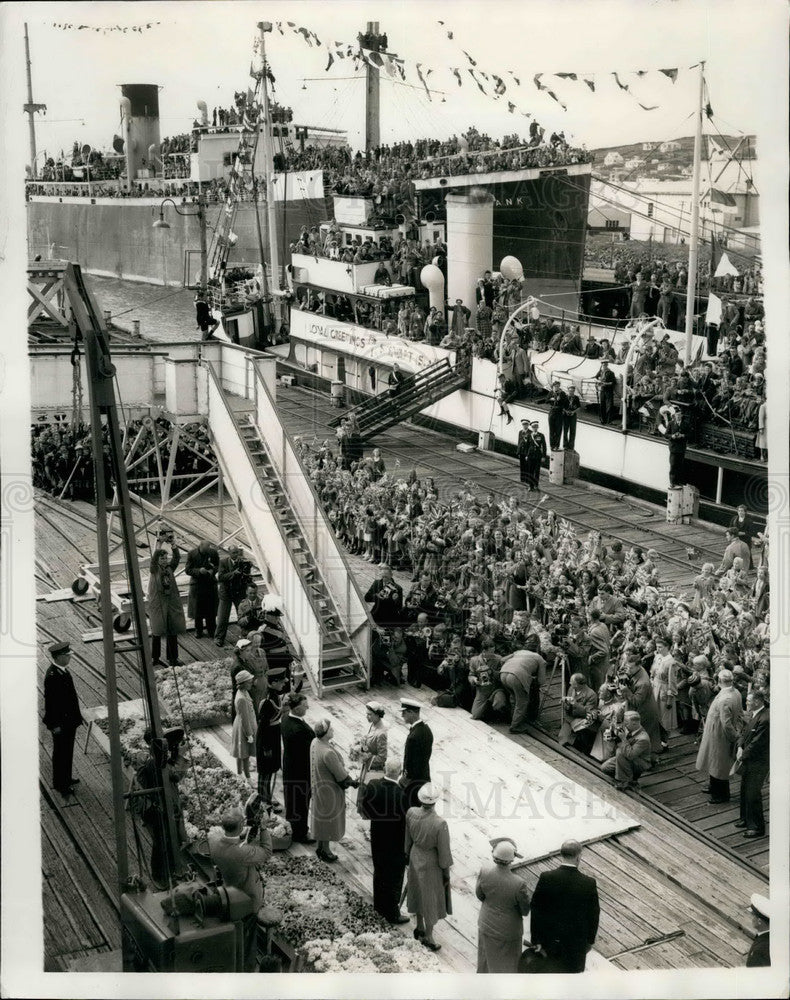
point(203, 688)
point(332, 926)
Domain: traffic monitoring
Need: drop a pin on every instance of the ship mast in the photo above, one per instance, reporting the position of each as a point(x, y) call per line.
point(268, 159)
point(691, 290)
point(372, 40)
point(31, 108)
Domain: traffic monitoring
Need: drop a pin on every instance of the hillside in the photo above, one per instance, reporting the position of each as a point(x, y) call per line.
point(669, 161)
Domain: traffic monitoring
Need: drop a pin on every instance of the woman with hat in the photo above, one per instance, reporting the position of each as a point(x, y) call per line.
point(328, 782)
point(268, 745)
point(243, 734)
point(429, 861)
point(506, 901)
point(165, 610)
point(664, 680)
point(297, 736)
point(374, 744)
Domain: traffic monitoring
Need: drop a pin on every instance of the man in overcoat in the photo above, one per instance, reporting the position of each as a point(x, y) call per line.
point(383, 802)
point(233, 577)
point(201, 568)
point(754, 748)
point(62, 716)
point(717, 749)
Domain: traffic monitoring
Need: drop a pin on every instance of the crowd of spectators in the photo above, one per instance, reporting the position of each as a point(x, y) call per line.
point(491, 579)
point(62, 457)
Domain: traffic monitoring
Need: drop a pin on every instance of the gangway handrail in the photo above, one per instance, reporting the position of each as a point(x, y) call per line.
point(305, 589)
point(319, 507)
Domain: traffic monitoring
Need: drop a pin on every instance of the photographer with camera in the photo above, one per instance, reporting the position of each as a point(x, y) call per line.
point(239, 851)
point(234, 576)
point(520, 673)
point(386, 596)
point(632, 756)
point(580, 705)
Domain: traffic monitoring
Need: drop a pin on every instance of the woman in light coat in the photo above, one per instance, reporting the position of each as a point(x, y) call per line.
point(506, 901)
point(328, 781)
point(374, 744)
point(430, 861)
point(664, 680)
point(244, 725)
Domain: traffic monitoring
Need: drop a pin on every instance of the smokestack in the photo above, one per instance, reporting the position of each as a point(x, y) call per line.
point(126, 114)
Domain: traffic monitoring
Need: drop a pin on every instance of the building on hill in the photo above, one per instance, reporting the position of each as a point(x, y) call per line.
point(671, 146)
point(606, 219)
point(613, 159)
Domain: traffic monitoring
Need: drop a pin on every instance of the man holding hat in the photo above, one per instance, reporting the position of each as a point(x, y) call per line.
point(760, 951)
point(505, 899)
point(417, 750)
point(383, 802)
point(62, 716)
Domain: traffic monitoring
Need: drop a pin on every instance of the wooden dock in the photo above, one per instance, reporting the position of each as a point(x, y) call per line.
point(647, 883)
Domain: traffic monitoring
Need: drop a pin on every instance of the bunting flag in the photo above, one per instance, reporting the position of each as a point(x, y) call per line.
point(671, 73)
point(457, 74)
point(647, 107)
point(720, 201)
point(330, 62)
point(422, 80)
point(620, 84)
point(500, 87)
point(713, 314)
point(517, 81)
point(554, 97)
point(104, 29)
point(726, 267)
point(511, 107)
point(471, 60)
point(567, 76)
point(590, 83)
point(538, 84)
point(480, 86)
point(306, 34)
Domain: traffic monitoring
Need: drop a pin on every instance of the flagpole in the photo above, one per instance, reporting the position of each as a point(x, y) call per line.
point(691, 291)
point(268, 157)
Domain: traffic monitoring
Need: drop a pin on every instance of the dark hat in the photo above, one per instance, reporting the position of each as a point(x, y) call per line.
point(59, 647)
point(276, 674)
point(174, 735)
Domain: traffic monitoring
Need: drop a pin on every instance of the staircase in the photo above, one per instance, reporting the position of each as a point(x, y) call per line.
point(417, 392)
point(340, 666)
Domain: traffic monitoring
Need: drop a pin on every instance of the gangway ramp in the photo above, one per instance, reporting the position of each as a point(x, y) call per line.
point(287, 528)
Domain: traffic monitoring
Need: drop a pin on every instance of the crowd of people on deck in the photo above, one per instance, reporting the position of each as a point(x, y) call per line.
point(62, 456)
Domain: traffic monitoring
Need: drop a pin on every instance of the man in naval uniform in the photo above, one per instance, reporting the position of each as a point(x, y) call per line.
point(62, 716)
point(538, 451)
point(760, 951)
point(416, 752)
point(523, 447)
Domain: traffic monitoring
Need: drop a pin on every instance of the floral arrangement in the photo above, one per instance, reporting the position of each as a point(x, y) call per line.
point(355, 752)
point(201, 690)
point(386, 951)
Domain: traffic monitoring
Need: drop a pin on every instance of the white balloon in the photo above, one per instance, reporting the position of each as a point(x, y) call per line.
point(511, 268)
point(431, 277)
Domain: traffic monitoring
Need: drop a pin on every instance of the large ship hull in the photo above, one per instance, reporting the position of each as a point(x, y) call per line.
point(114, 236)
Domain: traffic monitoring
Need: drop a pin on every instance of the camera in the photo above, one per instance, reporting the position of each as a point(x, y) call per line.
point(559, 633)
point(614, 733)
point(253, 815)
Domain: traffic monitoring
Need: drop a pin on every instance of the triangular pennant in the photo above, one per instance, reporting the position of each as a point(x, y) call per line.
point(516, 79)
point(500, 87)
point(471, 60)
point(590, 83)
point(305, 33)
point(554, 97)
point(457, 74)
point(622, 86)
point(422, 80)
point(511, 107)
point(647, 107)
point(330, 61)
point(567, 76)
point(536, 79)
point(480, 86)
point(671, 73)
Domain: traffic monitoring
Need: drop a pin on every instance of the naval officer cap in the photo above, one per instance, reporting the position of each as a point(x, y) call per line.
point(410, 703)
point(761, 905)
point(59, 647)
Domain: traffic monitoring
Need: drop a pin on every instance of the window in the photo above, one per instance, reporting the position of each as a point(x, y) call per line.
point(650, 210)
point(227, 159)
point(612, 224)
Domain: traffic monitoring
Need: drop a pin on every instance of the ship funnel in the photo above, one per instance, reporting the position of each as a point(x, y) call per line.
point(203, 109)
point(126, 108)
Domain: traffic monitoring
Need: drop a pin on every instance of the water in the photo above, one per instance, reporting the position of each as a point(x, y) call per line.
point(165, 314)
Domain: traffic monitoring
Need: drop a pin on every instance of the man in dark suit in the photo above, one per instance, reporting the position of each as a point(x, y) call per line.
point(565, 912)
point(753, 753)
point(536, 453)
point(558, 403)
point(416, 752)
point(62, 716)
point(569, 418)
point(201, 568)
point(383, 802)
point(606, 383)
point(522, 448)
point(233, 577)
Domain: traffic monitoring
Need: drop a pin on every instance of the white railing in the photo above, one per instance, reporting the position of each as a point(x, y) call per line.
point(263, 529)
point(328, 554)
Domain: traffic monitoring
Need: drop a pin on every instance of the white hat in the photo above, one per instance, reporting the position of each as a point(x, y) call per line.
point(428, 794)
point(244, 677)
point(504, 852)
point(761, 905)
point(410, 703)
point(375, 706)
point(243, 643)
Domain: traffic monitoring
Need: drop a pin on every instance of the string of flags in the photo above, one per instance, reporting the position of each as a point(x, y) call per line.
point(493, 85)
point(106, 28)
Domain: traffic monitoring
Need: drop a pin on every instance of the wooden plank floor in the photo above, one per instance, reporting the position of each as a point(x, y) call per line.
point(716, 928)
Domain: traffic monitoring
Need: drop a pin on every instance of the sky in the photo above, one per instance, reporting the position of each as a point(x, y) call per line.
point(203, 51)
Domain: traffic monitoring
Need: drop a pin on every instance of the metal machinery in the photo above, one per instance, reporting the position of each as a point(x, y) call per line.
point(190, 926)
